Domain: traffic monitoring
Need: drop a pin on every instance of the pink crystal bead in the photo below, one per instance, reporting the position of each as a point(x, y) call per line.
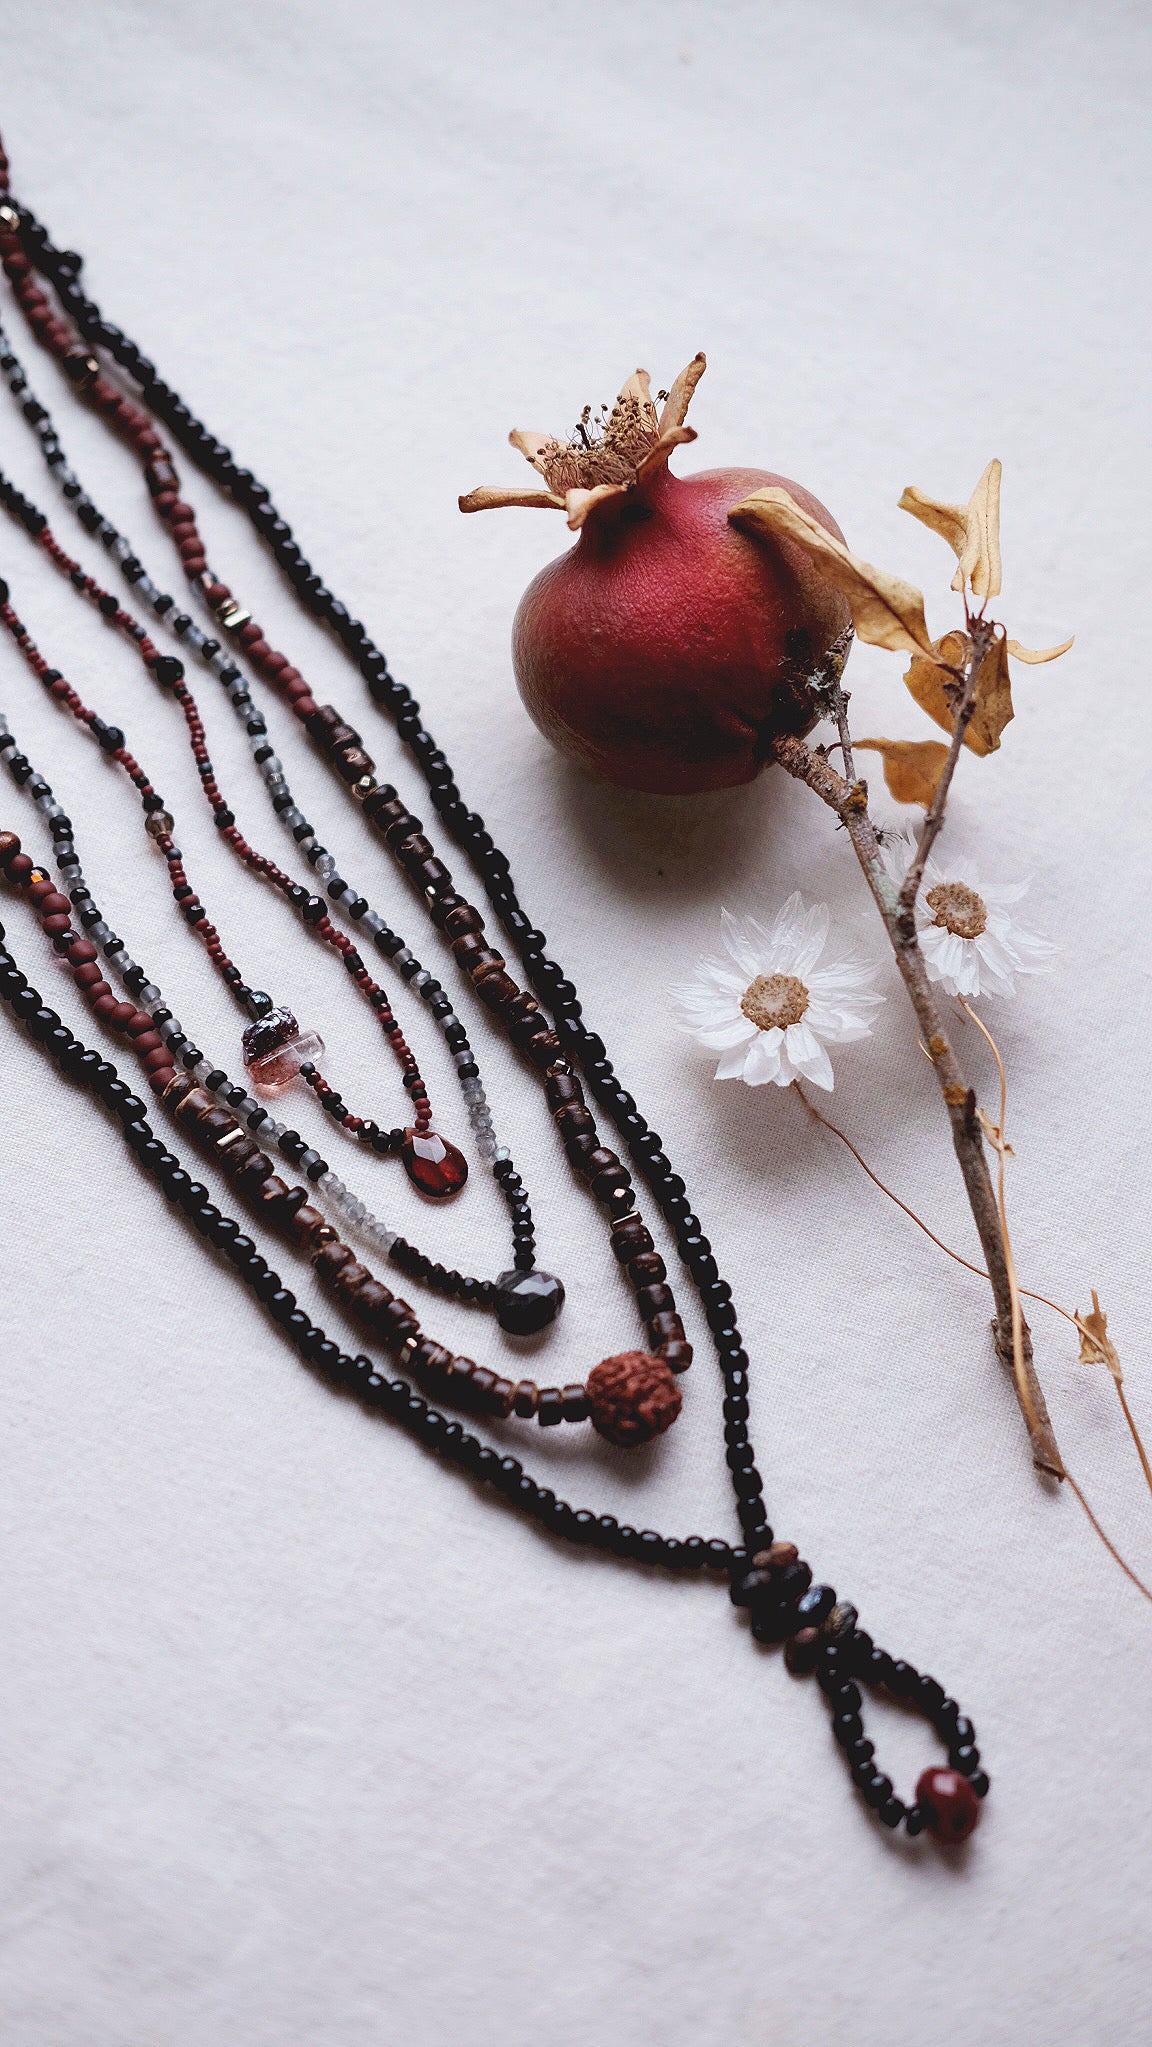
point(275, 1048)
point(275, 1073)
point(432, 1164)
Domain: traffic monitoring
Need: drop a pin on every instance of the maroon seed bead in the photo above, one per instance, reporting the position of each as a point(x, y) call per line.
point(550, 1407)
point(574, 1400)
point(527, 1394)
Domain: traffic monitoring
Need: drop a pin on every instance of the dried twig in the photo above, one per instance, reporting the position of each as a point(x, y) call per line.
point(849, 800)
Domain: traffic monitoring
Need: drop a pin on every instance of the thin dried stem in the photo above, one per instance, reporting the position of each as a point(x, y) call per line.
point(861, 1161)
point(1002, 1204)
point(849, 801)
point(1134, 1432)
point(1109, 1545)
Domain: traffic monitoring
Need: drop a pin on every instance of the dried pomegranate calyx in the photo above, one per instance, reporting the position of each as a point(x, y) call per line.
point(610, 452)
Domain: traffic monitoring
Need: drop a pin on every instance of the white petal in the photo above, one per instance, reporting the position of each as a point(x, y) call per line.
point(731, 1066)
point(806, 1055)
point(763, 1061)
point(739, 945)
point(721, 1037)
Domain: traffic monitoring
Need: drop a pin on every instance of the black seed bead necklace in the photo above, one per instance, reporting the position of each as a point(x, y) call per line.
point(755, 1571)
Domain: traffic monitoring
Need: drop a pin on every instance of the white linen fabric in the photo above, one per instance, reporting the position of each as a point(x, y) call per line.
point(305, 1744)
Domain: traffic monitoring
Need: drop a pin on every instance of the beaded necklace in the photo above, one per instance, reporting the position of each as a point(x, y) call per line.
point(756, 1569)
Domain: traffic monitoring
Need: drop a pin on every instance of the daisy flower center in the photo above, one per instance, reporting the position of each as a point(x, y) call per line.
point(773, 1001)
point(958, 908)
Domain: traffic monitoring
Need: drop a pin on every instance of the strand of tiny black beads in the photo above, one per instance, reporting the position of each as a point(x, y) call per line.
point(24, 243)
point(829, 1644)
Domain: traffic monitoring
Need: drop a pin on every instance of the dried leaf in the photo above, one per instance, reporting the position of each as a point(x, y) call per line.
point(489, 497)
point(885, 611)
point(912, 767)
point(1033, 656)
point(980, 561)
point(972, 530)
point(994, 1135)
point(949, 521)
point(1096, 1346)
point(927, 682)
point(927, 679)
point(993, 700)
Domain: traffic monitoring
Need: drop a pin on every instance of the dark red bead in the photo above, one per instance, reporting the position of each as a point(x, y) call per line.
point(432, 1164)
point(951, 1807)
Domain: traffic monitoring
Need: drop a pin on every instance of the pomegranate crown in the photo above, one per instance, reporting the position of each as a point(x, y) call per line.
point(610, 452)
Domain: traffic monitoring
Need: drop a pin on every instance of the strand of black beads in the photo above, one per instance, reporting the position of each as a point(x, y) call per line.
point(356, 1375)
point(946, 1799)
point(467, 829)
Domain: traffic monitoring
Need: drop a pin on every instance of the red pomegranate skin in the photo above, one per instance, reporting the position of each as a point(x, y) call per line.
point(663, 652)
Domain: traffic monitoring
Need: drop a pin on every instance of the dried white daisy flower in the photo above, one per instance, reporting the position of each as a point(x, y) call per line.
point(768, 1008)
point(970, 942)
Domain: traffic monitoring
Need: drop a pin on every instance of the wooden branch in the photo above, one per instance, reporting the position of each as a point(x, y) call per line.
point(849, 801)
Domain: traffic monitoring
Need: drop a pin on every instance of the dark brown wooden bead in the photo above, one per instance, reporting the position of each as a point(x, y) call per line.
point(307, 1226)
point(581, 1146)
point(238, 1155)
point(502, 1394)
point(370, 1301)
point(678, 1356)
point(653, 1300)
point(666, 1328)
point(495, 989)
point(600, 1160)
point(613, 1183)
point(543, 1049)
point(527, 1394)
point(401, 828)
point(431, 1357)
point(429, 873)
point(648, 1269)
point(574, 1117)
point(178, 1089)
point(352, 763)
point(472, 951)
point(331, 1260)
point(413, 848)
point(563, 1090)
point(550, 1407)
point(349, 1279)
point(193, 1104)
point(459, 918)
point(214, 1123)
point(254, 1171)
point(574, 1401)
point(397, 1324)
point(630, 1237)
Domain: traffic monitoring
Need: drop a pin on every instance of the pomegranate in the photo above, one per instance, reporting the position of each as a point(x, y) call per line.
point(667, 649)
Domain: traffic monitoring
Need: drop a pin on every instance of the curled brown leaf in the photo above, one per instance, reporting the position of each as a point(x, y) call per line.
point(886, 611)
point(972, 530)
point(935, 686)
point(912, 767)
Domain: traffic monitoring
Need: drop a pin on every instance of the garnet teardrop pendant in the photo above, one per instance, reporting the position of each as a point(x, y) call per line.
point(433, 1165)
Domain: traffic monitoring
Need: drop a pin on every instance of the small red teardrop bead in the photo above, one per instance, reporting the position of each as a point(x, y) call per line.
point(433, 1165)
point(951, 1807)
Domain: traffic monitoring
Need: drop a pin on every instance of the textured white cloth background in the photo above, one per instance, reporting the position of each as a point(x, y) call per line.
point(304, 1743)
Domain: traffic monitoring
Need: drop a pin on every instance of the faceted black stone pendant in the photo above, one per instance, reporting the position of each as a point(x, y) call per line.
point(527, 1301)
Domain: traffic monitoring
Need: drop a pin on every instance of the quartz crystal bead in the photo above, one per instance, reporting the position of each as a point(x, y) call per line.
point(275, 1048)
